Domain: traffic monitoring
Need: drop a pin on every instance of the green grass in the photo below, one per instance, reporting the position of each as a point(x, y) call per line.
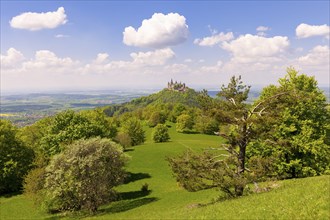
point(294, 199)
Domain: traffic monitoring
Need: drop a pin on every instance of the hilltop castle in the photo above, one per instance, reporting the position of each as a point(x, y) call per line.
point(175, 86)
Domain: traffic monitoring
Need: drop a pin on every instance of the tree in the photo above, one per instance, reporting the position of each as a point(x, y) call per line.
point(296, 126)
point(239, 122)
point(123, 139)
point(184, 123)
point(160, 133)
point(83, 176)
point(132, 126)
point(206, 125)
point(68, 126)
point(15, 159)
point(156, 117)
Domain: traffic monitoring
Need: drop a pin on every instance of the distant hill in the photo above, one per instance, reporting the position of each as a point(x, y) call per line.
point(187, 97)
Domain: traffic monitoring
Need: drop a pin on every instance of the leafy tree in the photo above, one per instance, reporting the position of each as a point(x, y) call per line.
point(108, 126)
point(15, 159)
point(295, 129)
point(184, 123)
point(133, 127)
point(83, 176)
point(206, 125)
point(239, 122)
point(160, 133)
point(156, 118)
point(66, 127)
point(123, 139)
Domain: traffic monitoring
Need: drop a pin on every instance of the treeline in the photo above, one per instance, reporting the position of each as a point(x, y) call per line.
point(72, 161)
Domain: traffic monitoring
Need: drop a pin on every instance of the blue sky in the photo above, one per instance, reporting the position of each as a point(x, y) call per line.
point(48, 45)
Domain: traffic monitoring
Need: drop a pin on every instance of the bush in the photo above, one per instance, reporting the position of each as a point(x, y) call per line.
point(123, 139)
point(160, 134)
point(206, 125)
point(15, 159)
point(184, 123)
point(83, 176)
point(133, 127)
point(156, 118)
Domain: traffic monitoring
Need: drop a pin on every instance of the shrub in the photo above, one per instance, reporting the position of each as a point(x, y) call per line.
point(133, 127)
point(83, 176)
point(160, 133)
point(206, 125)
point(184, 123)
point(15, 159)
point(123, 139)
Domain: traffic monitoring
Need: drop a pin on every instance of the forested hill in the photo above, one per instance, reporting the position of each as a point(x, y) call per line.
point(189, 97)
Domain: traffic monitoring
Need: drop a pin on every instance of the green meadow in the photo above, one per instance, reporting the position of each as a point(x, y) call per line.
point(307, 198)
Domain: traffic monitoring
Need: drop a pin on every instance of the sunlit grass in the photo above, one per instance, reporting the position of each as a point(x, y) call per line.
point(307, 198)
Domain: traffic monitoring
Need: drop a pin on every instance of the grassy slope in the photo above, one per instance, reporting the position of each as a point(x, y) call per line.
point(294, 199)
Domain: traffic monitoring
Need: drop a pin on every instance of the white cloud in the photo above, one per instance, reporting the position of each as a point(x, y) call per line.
point(61, 36)
point(188, 60)
point(306, 30)
point(262, 28)
point(36, 21)
point(12, 58)
point(319, 55)
point(214, 39)
point(251, 48)
point(177, 68)
point(212, 69)
point(152, 58)
point(140, 62)
point(157, 32)
point(46, 60)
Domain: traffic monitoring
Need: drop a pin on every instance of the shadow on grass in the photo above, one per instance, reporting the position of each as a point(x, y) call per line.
point(133, 195)
point(126, 205)
point(132, 177)
point(8, 195)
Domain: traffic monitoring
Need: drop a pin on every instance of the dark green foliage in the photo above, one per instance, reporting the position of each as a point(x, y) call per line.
point(191, 170)
point(197, 171)
point(133, 127)
point(83, 176)
point(160, 133)
point(15, 159)
point(295, 127)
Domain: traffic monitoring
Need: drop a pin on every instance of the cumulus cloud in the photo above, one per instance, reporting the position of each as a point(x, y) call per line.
point(157, 57)
point(306, 30)
point(36, 21)
point(158, 32)
point(251, 48)
point(139, 63)
point(212, 69)
point(214, 39)
point(12, 58)
point(46, 60)
point(319, 55)
point(261, 30)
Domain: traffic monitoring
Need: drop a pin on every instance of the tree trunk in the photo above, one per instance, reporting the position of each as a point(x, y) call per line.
point(241, 161)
